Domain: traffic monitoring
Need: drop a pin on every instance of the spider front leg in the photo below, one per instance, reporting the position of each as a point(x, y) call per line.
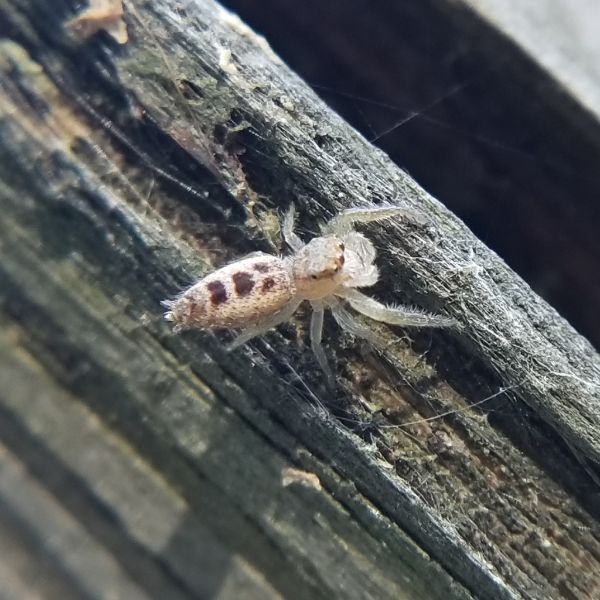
point(404, 316)
point(342, 223)
point(263, 326)
point(348, 322)
point(316, 333)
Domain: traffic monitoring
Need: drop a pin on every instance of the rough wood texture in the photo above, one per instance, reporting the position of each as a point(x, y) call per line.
point(464, 106)
point(147, 464)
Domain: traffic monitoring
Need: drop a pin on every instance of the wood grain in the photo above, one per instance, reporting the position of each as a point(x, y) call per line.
point(160, 463)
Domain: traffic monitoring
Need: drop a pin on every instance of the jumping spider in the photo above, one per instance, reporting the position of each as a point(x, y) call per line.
point(260, 291)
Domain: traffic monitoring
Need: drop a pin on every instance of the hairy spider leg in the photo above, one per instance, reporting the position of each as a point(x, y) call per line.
point(316, 333)
point(348, 322)
point(405, 316)
point(343, 221)
point(289, 236)
point(263, 326)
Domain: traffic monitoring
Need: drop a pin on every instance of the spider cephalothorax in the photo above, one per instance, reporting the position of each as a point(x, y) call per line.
point(261, 291)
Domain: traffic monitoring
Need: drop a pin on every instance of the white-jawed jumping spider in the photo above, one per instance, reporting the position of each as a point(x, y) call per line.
point(260, 291)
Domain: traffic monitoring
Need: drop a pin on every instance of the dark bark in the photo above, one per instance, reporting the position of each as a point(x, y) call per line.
point(128, 171)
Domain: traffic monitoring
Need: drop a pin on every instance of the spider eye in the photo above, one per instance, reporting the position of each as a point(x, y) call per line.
point(314, 276)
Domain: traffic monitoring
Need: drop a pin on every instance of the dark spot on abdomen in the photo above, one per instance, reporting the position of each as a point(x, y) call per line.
point(267, 284)
point(218, 293)
point(262, 267)
point(243, 283)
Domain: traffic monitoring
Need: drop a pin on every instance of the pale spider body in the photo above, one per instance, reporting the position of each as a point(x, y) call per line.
point(261, 291)
point(236, 295)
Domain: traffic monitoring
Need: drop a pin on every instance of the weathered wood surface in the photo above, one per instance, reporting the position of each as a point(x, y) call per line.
point(147, 464)
point(494, 116)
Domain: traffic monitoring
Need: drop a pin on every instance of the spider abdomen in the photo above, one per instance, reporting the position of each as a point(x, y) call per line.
point(237, 295)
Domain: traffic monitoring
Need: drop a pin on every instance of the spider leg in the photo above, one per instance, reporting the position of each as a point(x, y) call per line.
point(263, 326)
point(343, 221)
point(287, 228)
point(347, 321)
point(316, 332)
point(404, 316)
